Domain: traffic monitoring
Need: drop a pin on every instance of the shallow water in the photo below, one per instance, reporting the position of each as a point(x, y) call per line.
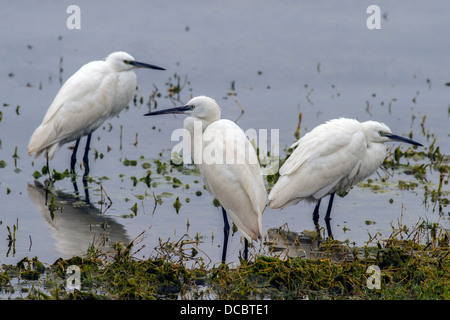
point(279, 60)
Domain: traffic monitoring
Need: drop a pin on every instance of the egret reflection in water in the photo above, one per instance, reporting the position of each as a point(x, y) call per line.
point(74, 225)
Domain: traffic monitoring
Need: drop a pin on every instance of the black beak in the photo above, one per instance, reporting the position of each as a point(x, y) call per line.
point(138, 64)
point(182, 109)
point(401, 139)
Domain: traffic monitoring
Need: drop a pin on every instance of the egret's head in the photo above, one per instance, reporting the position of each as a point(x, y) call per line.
point(380, 133)
point(204, 108)
point(201, 107)
point(122, 61)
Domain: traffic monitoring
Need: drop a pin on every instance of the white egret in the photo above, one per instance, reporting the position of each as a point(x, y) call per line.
point(331, 158)
point(234, 176)
point(97, 91)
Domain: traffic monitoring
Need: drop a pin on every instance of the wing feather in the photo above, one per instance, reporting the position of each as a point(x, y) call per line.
point(321, 164)
point(77, 109)
point(239, 185)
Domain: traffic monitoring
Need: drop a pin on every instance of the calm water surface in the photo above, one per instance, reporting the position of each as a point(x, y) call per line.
point(278, 58)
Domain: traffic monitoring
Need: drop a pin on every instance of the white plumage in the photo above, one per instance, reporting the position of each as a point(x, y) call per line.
point(97, 91)
point(238, 184)
point(331, 158)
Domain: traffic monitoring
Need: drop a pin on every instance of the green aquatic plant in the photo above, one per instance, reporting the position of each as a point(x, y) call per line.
point(414, 263)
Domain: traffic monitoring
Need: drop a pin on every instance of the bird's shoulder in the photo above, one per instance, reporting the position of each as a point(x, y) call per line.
point(222, 133)
point(222, 125)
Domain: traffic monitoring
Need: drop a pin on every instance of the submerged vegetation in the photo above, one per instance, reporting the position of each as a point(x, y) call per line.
point(414, 263)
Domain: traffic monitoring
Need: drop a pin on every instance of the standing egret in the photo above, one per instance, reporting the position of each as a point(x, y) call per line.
point(97, 91)
point(234, 176)
point(331, 158)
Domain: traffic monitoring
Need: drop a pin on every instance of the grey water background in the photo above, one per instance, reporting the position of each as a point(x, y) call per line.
point(281, 58)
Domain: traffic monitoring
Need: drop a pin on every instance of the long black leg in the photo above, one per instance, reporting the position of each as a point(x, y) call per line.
point(226, 232)
point(73, 162)
point(316, 215)
point(327, 216)
point(73, 158)
point(86, 190)
point(245, 249)
point(48, 182)
point(75, 186)
point(85, 185)
point(86, 155)
point(48, 169)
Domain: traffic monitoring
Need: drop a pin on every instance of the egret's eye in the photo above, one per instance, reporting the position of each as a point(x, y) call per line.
point(381, 133)
point(192, 107)
point(126, 61)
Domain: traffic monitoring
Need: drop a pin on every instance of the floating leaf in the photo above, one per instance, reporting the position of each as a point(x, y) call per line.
point(177, 204)
point(134, 209)
point(127, 162)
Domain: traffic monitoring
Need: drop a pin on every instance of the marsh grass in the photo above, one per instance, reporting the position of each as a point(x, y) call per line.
point(414, 263)
point(414, 260)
